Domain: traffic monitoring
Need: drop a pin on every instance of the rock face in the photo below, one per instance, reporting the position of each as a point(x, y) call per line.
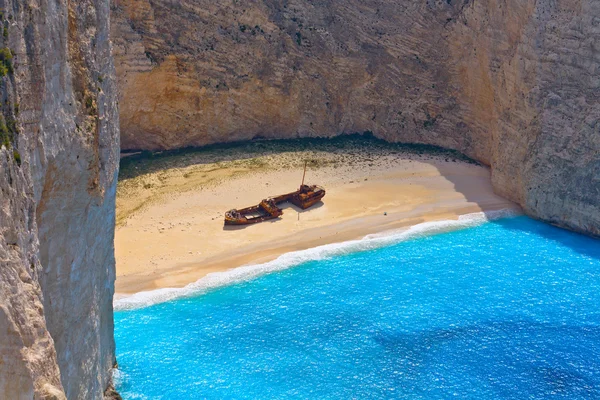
point(512, 83)
point(58, 170)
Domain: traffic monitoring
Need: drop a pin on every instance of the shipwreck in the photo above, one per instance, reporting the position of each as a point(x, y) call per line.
point(305, 197)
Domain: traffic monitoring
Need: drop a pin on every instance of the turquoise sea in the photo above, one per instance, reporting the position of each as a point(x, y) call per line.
point(508, 309)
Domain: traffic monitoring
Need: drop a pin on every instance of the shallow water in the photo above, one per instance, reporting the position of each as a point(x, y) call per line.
point(508, 309)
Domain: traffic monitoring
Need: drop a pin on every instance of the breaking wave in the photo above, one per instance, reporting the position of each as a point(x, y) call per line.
point(247, 272)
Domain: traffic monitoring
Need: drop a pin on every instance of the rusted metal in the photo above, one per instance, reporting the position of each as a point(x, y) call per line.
point(306, 196)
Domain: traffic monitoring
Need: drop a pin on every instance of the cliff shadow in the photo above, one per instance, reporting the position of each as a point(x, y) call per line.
point(363, 146)
point(585, 245)
point(478, 190)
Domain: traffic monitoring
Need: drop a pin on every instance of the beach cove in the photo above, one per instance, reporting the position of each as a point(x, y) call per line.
point(170, 206)
point(411, 280)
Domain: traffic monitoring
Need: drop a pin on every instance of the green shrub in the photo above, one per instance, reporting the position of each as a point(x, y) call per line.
point(6, 66)
point(5, 134)
point(89, 105)
point(17, 157)
point(11, 125)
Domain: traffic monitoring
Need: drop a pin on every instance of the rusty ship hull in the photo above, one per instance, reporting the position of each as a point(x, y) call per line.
point(305, 197)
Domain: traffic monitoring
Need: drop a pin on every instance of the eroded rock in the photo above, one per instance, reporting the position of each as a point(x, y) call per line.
point(58, 172)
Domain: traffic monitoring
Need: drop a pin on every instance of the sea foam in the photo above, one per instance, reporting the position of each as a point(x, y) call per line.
point(287, 260)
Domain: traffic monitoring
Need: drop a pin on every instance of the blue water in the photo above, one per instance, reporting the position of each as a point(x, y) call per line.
point(509, 309)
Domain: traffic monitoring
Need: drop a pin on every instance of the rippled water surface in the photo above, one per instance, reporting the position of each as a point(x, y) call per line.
point(508, 309)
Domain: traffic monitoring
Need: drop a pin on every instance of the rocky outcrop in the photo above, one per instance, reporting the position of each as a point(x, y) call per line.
point(58, 170)
point(512, 83)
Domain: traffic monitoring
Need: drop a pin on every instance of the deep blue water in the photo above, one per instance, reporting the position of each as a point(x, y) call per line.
point(509, 309)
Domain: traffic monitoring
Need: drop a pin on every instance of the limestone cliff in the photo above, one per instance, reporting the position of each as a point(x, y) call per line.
point(512, 83)
point(58, 168)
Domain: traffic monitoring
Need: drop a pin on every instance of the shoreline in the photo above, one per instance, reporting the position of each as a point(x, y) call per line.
point(180, 275)
point(222, 277)
point(175, 236)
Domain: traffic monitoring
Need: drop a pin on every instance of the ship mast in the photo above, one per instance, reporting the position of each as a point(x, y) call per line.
point(304, 174)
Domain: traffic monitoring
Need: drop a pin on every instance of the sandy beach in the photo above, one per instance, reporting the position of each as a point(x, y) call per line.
point(170, 228)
